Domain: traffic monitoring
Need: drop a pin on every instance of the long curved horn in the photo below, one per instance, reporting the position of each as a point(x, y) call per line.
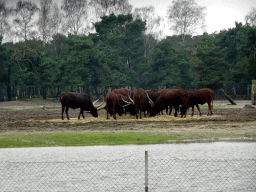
point(95, 102)
point(126, 101)
point(99, 105)
point(131, 99)
point(126, 105)
point(150, 101)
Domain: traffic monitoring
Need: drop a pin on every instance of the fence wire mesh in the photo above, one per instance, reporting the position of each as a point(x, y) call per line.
point(129, 175)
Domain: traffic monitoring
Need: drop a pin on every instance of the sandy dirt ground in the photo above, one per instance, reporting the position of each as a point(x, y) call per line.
point(228, 121)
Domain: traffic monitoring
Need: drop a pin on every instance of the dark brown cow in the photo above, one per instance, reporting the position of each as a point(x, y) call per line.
point(153, 96)
point(78, 100)
point(158, 93)
point(125, 99)
point(141, 101)
point(113, 104)
point(127, 104)
point(201, 96)
point(172, 97)
point(123, 91)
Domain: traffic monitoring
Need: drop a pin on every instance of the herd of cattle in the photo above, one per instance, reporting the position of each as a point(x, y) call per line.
point(123, 100)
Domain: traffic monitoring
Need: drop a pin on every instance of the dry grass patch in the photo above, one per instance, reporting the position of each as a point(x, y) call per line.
point(129, 118)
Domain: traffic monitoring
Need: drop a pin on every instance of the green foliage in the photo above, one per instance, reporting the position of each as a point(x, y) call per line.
point(122, 43)
point(4, 65)
point(86, 139)
point(209, 63)
point(31, 65)
point(170, 66)
point(191, 42)
point(118, 55)
point(240, 44)
point(83, 63)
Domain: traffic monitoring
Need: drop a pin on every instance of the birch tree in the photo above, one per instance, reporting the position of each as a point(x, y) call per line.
point(75, 14)
point(250, 18)
point(25, 10)
point(107, 7)
point(44, 22)
point(56, 21)
point(5, 27)
point(153, 30)
point(186, 17)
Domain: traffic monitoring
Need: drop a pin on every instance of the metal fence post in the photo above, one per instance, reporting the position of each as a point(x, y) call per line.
point(146, 171)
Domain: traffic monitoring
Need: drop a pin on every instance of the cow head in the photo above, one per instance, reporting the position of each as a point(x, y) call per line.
point(95, 109)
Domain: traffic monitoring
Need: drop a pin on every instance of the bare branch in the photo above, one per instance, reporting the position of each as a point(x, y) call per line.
point(25, 11)
point(185, 17)
point(250, 18)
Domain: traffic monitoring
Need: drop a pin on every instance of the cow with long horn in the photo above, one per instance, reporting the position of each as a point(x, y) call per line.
point(125, 100)
point(141, 101)
point(79, 100)
point(123, 91)
point(178, 98)
point(113, 104)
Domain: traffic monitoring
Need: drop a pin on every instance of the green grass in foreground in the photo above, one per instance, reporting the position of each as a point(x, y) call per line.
point(85, 139)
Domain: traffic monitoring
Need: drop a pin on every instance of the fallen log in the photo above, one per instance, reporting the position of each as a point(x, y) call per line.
point(227, 97)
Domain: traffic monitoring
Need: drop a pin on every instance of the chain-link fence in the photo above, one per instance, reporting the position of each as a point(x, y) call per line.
point(130, 175)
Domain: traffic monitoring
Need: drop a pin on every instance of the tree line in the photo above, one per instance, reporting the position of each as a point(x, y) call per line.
point(121, 52)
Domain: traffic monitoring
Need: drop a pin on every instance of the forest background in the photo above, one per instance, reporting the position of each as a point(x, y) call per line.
point(102, 43)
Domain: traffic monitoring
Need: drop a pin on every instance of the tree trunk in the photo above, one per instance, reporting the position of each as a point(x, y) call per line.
point(9, 97)
point(253, 96)
point(227, 97)
point(44, 92)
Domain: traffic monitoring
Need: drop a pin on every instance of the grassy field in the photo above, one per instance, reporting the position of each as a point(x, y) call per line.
point(86, 139)
point(38, 124)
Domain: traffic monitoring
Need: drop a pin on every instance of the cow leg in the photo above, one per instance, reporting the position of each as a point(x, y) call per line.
point(82, 113)
point(198, 108)
point(184, 115)
point(166, 110)
point(170, 111)
point(176, 112)
point(62, 111)
point(67, 112)
point(193, 110)
point(114, 113)
point(209, 108)
point(136, 112)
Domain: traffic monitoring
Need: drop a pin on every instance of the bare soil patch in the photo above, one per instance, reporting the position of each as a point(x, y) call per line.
point(45, 116)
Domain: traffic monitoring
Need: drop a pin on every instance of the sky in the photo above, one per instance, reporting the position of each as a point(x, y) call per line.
point(220, 14)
